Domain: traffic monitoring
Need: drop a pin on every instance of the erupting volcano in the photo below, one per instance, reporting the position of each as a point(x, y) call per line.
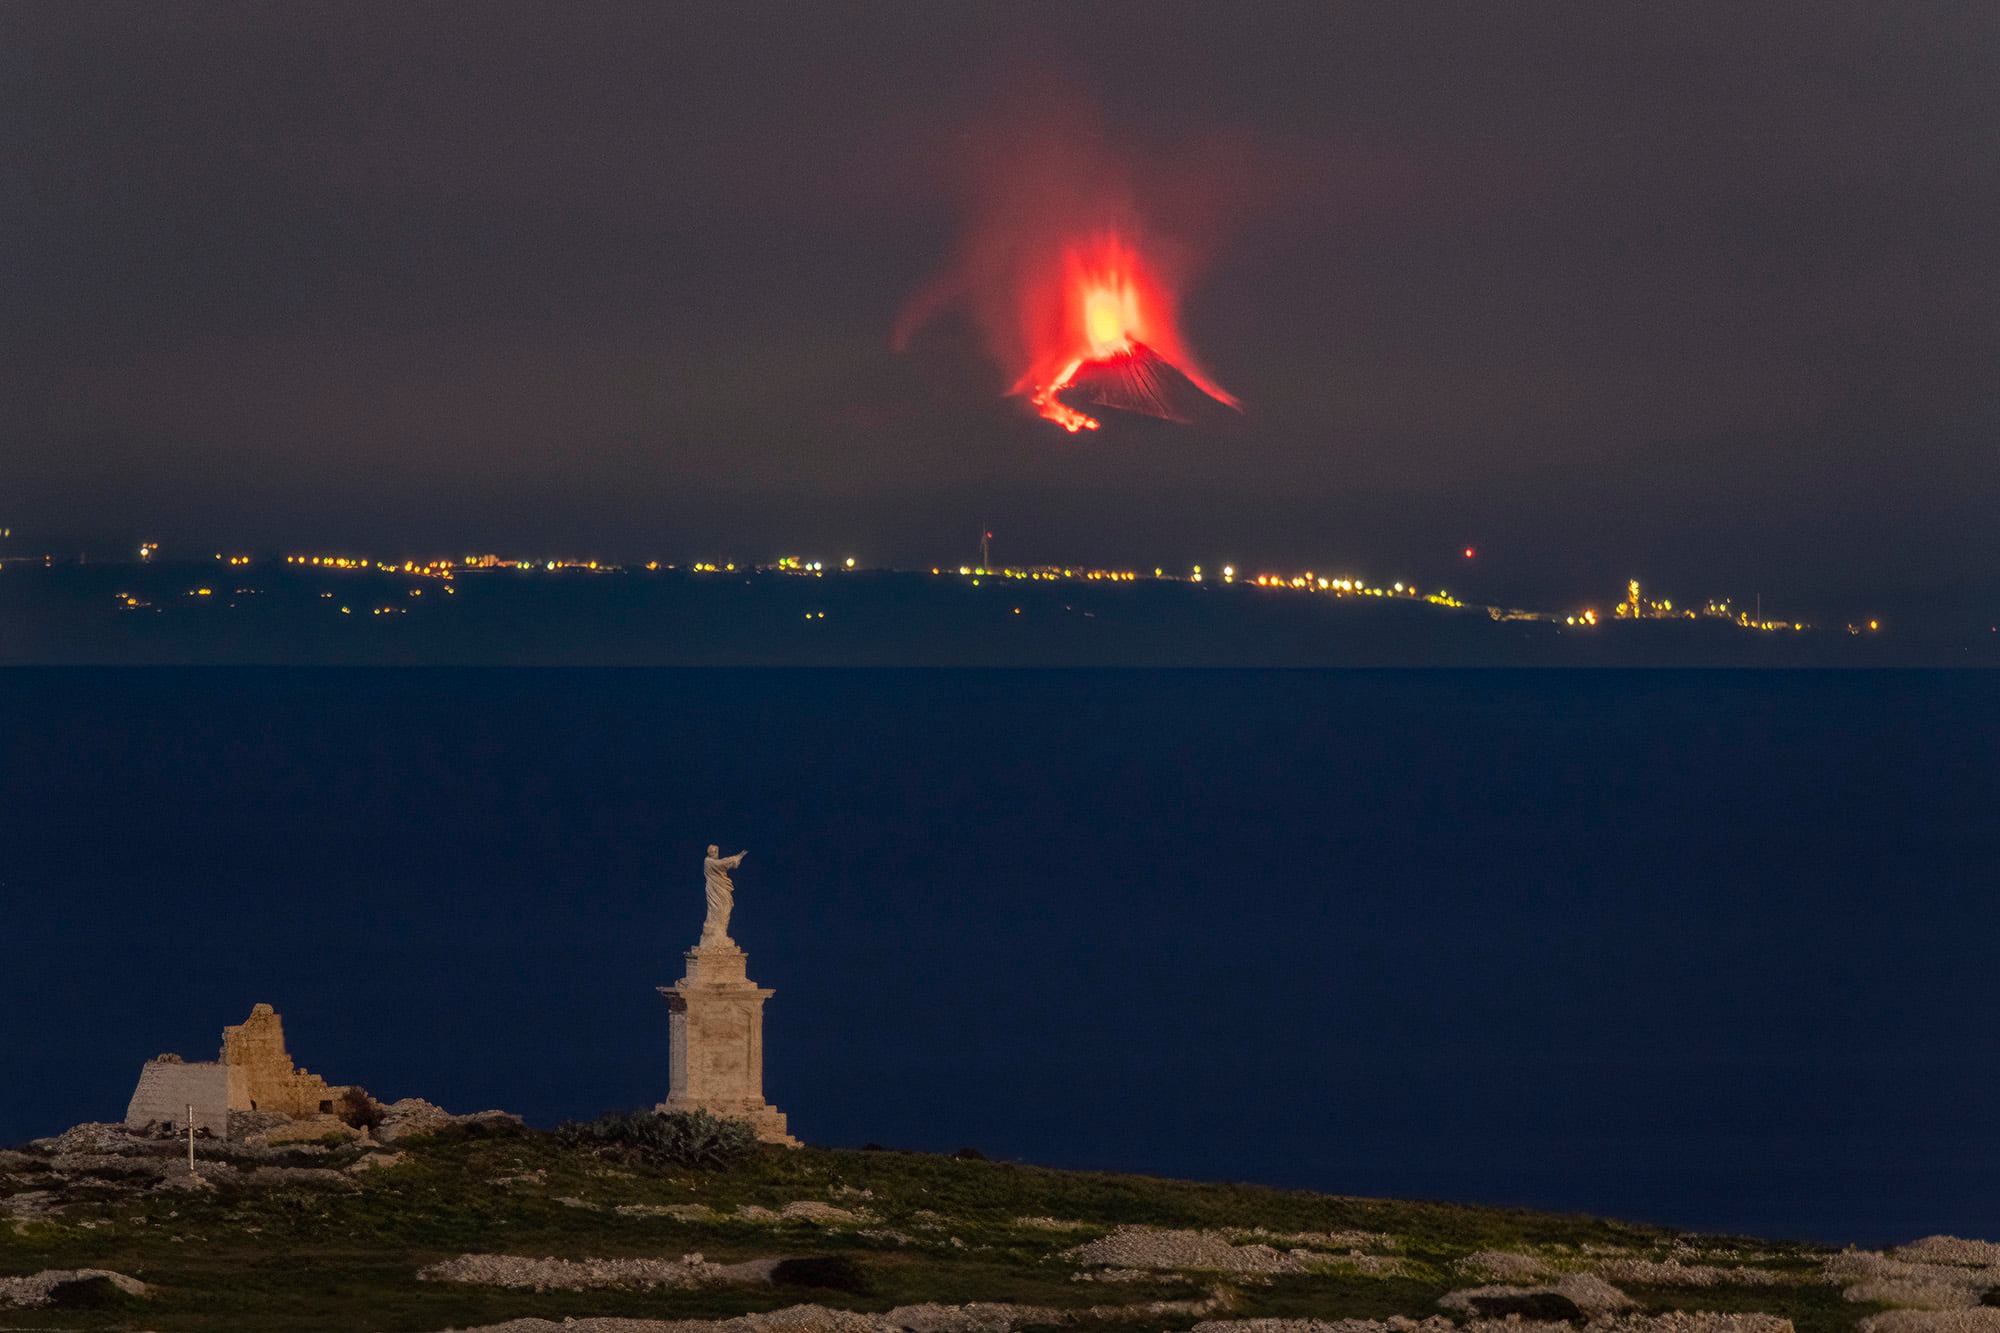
point(1083, 322)
point(1105, 335)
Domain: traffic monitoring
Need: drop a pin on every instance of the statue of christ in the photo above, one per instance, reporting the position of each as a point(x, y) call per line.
point(721, 892)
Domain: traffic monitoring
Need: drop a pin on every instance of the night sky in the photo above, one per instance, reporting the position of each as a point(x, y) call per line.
point(1702, 292)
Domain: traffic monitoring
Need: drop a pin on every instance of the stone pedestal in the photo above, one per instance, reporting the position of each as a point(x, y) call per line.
point(716, 1062)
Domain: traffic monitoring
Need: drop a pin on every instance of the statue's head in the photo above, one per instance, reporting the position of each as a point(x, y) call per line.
point(713, 850)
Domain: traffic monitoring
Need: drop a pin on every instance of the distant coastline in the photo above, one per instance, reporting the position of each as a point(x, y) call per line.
point(240, 610)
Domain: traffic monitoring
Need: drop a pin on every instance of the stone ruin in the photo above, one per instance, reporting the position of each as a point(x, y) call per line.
point(252, 1073)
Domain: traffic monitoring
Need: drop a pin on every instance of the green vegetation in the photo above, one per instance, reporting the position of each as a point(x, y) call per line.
point(669, 1138)
point(868, 1231)
point(1543, 1305)
point(358, 1110)
point(828, 1272)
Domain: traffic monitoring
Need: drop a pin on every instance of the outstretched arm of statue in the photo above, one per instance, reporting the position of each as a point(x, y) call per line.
point(734, 861)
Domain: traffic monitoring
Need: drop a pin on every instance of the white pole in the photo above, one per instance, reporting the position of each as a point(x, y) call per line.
point(190, 1138)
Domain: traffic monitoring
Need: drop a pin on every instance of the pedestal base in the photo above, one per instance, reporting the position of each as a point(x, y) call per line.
point(766, 1119)
point(716, 1062)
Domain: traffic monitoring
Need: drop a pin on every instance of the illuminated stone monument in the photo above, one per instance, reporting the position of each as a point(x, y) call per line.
point(716, 1048)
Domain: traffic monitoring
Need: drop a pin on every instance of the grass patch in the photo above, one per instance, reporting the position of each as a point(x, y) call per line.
point(1812, 1307)
point(1339, 1296)
point(672, 1138)
point(298, 1256)
point(826, 1272)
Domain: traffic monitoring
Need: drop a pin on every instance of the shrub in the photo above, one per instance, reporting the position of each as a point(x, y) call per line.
point(88, 1293)
point(831, 1272)
point(497, 1127)
point(1544, 1306)
point(357, 1110)
point(682, 1138)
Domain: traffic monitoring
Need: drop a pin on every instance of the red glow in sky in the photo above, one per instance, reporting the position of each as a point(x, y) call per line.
point(1073, 256)
point(1101, 304)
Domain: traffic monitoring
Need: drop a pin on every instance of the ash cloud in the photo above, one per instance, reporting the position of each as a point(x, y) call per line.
point(1041, 170)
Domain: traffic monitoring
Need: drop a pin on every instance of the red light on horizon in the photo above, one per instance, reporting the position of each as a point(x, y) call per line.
point(1468, 553)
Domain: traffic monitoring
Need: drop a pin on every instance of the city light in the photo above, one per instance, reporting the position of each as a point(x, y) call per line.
point(1631, 606)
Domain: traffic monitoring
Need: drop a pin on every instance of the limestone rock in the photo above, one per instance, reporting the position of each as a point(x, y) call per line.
point(242, 1124)
point(1350, 1241)
point(1674, 1273)
point(92, 1137)
point(1914, 1294)
point(304, 1129)
point(32, 1205)
point(528, 1178)
point(1432, 1325)
point(112, 1164)
point(1980, 1319)
point(39, 1288)
point(1865, 1275)
point(796, 1319)
point(298, 1175)
point(1505, 1265)
point(1950, 1250)
point(375, 1161)
point(506, 1270)
point(413, 1115)
point(1672, 1322)
point(1188, 1251)
point(811, 1210)
point(974, 1317)
point(1592, 1296)
point(1695, 1321)
point(1054, 1224)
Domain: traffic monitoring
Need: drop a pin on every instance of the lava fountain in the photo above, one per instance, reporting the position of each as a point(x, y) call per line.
point(1081, 322)
point(1103, 331)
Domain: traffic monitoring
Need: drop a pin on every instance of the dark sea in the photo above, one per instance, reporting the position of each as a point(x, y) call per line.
point(1712, 949)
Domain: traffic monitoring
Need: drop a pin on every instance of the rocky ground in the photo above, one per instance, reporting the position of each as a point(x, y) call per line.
point(431, 1222)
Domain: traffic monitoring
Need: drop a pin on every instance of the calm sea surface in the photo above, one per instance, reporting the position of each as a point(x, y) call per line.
point(1713, 949)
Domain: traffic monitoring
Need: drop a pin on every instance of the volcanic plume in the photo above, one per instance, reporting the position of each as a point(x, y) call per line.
point(1106, 336)
point(1077, 297)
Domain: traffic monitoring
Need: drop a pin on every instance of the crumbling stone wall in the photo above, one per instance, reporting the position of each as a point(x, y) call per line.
point(270, 1083)
point(254, 1073)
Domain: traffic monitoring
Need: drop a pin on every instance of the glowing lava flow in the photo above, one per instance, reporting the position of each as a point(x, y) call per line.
point(1106, 330)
